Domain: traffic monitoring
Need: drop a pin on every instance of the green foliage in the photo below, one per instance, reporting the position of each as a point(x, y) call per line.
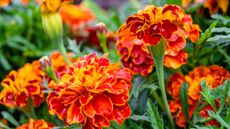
point(184, 100)
point(156, 120)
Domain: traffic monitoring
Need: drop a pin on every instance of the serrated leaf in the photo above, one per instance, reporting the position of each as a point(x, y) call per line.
point(219, 119)
point(9, 118)
point(207, 33)
point(226, 88)
point(139, 118)
point(219, 39)
point(221, 30)
point(156, 120)
point(207, 95)
point(184, 100)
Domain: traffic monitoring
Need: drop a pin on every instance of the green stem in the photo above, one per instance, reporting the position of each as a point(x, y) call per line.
point(157, 53)
point(155, 95)
point(29, 109)
point(102, 38)
point(61, 47)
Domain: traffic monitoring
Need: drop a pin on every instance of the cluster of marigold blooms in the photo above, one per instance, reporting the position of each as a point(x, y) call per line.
point(91, 91)
point(214, 76)
point(146, 28)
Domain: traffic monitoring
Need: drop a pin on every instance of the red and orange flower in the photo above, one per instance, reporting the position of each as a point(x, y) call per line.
point(23, 84)
point(91, 92)
point(169, 22)
point(214, 77)
point(38, 124)
point(134, 54)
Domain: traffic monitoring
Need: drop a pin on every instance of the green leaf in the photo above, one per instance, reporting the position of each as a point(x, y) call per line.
point(159, 2)
point(10, 118)
point(221, 30)
point(227, 118)
point(207, 94)
point(220, 39)
point(219, 119)
point(4, 126)
point(184, 100)
point(4, 62)
point(226, 88)
point(207, 33)
point(156, 120)
point(139, 118)
point(176, 2)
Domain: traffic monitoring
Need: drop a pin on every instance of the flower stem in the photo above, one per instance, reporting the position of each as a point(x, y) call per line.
point(29, 109)
point(155, 95)
point(157, 53)
point(61, 47)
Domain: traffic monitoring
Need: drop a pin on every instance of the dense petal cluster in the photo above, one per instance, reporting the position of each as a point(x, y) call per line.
point(38, 124)
point(134, 54)
point(20, 85)
point(51, 6)
point(214, 77)
point(169, 22)
point(91, 92)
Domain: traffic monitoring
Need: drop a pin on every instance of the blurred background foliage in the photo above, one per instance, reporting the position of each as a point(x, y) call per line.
point(22, 40)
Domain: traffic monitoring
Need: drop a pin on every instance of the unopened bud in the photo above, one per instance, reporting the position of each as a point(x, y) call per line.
point(45, 62)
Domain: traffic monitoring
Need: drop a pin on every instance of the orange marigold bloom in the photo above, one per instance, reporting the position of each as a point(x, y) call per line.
point(213, 75)
point(76, 15)
point(51, 6)
point(20, 85)
point(91, 92)
point(134, 54)
point(169, 22)
point(38, 124)
point(4, 3)
point(215, 5)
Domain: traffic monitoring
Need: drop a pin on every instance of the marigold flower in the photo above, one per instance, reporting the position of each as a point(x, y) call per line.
point(76, 15)
point(215, 5)
point(4, 3)
point(91, 92)
point(38, 124)
point(213, 75)
point(134, 54)
point(20, 85)
point(169, 22)
point(52, 6)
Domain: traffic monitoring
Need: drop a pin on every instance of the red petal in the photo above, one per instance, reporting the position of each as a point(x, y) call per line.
point(151, 39)
point(99, 105)
point(74, 114)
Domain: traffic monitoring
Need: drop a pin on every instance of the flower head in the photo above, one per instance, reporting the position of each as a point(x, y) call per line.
point(213, 75)
point(91, 92)
point(4, 3)
point(38, 124)
point(76, 15)
point(52, 6)
point(169, 22)
point(134, 54)
point(20, 85)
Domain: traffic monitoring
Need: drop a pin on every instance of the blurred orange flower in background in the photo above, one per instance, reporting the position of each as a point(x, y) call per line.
point(91, 92)
point(4, 3)
point(36, 124)
point(213, 75)
point(20, 85)
point(134, 54)
point(169, 22)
